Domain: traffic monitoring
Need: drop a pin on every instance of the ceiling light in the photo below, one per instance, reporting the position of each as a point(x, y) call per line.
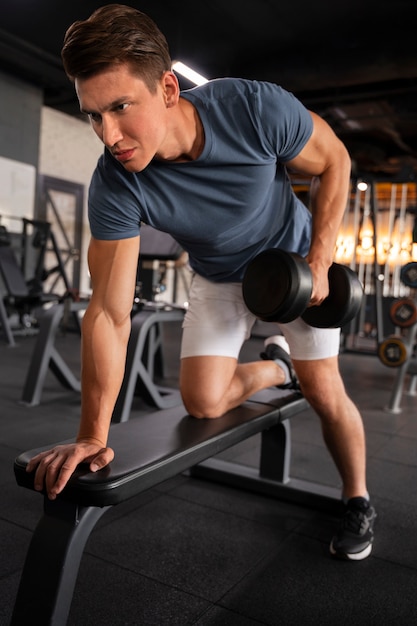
point(188, 73)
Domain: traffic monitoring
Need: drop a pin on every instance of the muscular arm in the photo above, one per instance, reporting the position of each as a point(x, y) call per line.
point(105, 333)
point(106, 328)
point(326, 158)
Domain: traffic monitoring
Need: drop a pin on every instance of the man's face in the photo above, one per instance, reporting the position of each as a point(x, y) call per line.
point(131, 121)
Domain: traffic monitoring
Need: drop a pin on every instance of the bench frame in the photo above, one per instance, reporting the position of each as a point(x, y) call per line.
point(145, 346)
point(149, 450)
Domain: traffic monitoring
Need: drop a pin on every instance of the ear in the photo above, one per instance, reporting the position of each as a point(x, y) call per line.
point(170, 89)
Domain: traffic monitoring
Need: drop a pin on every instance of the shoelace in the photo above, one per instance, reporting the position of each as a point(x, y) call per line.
point(356, 522)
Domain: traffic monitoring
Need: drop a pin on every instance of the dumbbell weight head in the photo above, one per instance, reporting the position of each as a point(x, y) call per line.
point(403, 312)
point(393, 351)
point(343, 302)
point(277, 287)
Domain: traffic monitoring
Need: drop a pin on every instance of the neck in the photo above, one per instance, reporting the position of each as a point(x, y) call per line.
point(188, 133)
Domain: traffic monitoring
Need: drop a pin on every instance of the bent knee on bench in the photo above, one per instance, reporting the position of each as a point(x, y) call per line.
point(204, 384)
point(202, 403)
point(200, 410)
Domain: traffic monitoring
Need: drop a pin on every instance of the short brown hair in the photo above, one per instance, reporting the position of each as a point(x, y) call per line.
point(116, 34)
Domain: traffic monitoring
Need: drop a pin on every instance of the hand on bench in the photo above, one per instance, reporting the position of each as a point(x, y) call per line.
point(54, 467)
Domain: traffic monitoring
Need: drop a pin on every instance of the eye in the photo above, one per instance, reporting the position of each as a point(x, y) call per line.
point(122, 107)
point(94, 117)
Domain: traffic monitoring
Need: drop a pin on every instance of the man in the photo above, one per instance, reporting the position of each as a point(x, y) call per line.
point(209, 166)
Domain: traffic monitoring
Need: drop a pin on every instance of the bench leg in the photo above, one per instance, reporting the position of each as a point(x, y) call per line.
point(46, 356)
point(4, 321)
point(276, 453)
point(144, 343)
point(273, 476)
point(52, 562)
point(41, 355)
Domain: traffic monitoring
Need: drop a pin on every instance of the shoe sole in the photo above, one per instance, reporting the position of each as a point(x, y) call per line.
point(352, 556)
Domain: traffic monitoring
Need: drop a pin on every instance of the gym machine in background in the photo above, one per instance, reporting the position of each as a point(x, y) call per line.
point(378, 236)
point(399, 350)
point(39, 238)
point(144, 363)
point(378, 240)
point(24, 273)
point(162, 270)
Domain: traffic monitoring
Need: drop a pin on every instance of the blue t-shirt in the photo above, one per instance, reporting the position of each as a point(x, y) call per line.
point(230, 203)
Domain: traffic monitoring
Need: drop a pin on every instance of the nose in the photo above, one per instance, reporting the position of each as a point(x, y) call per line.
point(111, 133)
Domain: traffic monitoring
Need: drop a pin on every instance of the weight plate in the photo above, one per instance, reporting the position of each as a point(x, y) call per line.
point(408, 274)
point(277, 286)
point(403, 312)
point(343, 302)
point(393, 352)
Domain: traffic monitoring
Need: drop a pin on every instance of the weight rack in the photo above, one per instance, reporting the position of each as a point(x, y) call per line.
point(408, 367)
point(406, 343)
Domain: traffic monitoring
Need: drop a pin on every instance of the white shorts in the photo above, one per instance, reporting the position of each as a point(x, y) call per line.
point(218, 322)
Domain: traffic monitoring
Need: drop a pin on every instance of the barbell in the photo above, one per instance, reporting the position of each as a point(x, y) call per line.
point(277, 287)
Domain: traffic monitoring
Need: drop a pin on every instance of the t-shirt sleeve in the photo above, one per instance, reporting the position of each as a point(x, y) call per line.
point(113, 207)
point(286, 123)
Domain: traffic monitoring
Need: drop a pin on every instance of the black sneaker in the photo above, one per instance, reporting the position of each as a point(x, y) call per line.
point(274, 352)
point(354, 539)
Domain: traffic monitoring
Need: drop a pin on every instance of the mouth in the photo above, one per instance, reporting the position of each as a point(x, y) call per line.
point(123, 155)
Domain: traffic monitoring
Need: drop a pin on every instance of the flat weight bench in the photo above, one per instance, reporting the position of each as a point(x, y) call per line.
point(149, 450)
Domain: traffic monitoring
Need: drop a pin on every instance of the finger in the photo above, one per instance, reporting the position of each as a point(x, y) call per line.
point(61, 477)
point(68, 465)
point(52, 473)
point(42, 468)
point(35, 460)
point(100, 460)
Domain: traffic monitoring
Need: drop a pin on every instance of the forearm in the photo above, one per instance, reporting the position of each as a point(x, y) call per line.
point(328, 197)
point(103, 362)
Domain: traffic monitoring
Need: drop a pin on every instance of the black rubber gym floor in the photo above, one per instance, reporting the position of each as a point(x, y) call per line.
point(194, 552)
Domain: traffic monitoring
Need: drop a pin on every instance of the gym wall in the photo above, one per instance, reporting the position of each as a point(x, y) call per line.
point(20, 106)
point(69, 150)
point(57, 145)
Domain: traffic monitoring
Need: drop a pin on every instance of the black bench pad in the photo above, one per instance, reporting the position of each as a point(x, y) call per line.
point(162, 444)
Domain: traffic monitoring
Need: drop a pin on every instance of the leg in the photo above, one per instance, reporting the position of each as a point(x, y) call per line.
point(343, 432)
point(314, 354)
point(344, 435)
point(215, 326)
point(211, 385)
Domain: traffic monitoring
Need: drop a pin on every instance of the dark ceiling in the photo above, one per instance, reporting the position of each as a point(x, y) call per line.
point(352, 61)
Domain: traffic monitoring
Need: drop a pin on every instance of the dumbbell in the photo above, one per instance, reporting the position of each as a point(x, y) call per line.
point(393, 351)
point(277, 287)
point(403, 312)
